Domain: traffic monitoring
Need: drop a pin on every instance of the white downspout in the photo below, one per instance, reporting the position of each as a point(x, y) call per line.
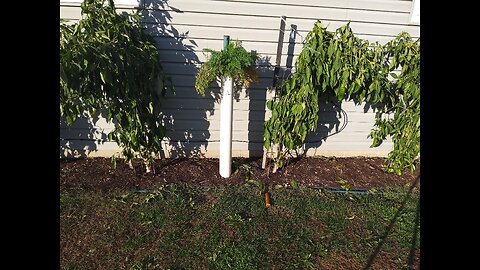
point(226, 117)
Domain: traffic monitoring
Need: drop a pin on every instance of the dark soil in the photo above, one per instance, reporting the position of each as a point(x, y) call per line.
point(97, 174)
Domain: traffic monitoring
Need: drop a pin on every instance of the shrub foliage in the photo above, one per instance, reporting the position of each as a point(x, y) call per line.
point(337, 66)
point(234, 62)
point(108, 63)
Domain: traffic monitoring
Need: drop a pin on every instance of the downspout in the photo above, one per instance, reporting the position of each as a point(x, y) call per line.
point(226, 117)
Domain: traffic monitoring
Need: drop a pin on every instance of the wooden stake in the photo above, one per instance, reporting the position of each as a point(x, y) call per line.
point(271, 94)
point(267, 200)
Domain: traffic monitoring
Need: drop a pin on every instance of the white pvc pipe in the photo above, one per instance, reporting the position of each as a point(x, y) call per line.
point(226, 117)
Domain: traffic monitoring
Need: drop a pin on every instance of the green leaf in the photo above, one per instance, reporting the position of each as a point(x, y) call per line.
point(351, 88)
point(114, 162)
point(266, 136)
point(297, 109)
point(110, 136)
point(294, 184)
point(270, 104)
point(150, 107)
point(330, 49)
point(103, 77)
point(69, 119)
point(340, 91)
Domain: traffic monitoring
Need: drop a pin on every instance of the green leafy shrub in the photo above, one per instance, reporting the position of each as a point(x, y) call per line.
point(337, 66)
point(108, 62)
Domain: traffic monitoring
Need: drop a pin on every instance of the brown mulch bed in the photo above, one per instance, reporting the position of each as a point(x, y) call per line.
point(97, 174)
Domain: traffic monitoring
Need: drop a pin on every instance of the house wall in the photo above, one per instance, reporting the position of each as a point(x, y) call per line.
point(183, 28)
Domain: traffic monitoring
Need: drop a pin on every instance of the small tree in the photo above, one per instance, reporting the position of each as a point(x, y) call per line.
point(337, 66)
point(108, 62)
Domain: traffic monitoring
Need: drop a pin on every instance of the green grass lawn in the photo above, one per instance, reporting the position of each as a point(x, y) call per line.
point(179, 227)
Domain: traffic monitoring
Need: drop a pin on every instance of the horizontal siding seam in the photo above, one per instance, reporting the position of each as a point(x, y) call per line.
point(278, 4)
point(290, 17)
point(301, 32)
point(117, 6)
point(265, 41)
point(314, 6)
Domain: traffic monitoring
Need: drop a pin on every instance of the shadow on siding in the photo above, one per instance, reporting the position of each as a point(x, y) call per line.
point(193, 140)
point(256, 110)
point(331, 120)
point(184, 141)
point(81, 138)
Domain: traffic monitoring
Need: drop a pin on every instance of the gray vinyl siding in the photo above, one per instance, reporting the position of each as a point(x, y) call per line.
point(183, 28)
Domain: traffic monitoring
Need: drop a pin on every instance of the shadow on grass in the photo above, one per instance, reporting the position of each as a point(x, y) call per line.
point(411, 256)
